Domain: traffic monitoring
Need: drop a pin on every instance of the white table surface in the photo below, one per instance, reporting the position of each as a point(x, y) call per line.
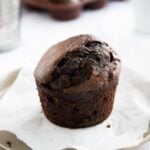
point(114, 24)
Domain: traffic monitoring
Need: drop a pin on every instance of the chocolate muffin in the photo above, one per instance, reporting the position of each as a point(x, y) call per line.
point(76, 81)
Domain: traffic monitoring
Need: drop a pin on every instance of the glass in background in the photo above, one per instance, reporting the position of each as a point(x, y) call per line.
point(9, 24)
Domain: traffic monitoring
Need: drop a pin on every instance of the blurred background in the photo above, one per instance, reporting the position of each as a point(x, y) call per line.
point(27, 32)
point(28, 28)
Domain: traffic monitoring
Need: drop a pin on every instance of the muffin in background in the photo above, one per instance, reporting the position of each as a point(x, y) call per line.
point(64, 9)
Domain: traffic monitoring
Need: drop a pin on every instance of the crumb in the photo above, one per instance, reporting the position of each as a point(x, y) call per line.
point(108, 126)
point(9, 144)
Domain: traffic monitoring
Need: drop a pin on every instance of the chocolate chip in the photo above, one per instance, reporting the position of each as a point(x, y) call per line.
point(111, 57)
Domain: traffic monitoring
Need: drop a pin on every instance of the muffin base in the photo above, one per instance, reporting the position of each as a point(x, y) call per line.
point(78, 110)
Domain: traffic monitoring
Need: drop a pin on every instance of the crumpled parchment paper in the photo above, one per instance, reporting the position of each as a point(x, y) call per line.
point(21, 114)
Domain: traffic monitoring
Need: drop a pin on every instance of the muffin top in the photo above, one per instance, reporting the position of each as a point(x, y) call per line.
point(79, 63)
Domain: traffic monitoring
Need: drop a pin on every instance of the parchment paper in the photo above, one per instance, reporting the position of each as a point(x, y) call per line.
point(21, 113)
